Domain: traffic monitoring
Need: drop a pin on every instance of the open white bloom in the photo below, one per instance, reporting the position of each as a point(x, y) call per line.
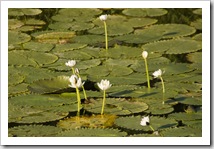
point(75, 82)
point(104, 84)
point(144, 54)
point(71, 63)
point(103, 17)
point(157, 73)
point(144, 121)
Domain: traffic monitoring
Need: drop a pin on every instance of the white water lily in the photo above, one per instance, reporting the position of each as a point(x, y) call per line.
point(145, 121)
point(104, 84)
point(157, 73)
point(145, 54)
point(103, 17)
point(75, 82)
point(71, 63)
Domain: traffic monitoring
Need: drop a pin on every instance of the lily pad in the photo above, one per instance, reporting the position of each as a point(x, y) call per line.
point(133, 123)
point(189, 100)
point(34, 131)
point(68, 47)
point(174, 46)
point(143, 12)
point(140, 22)
point(17, 38)
point(75, 54)
point(50, 85)
point(20, 57)
point(23, 11)
point(94, 121)
point(116, 106)
point(182, 132)
point(90, 39)
point(37, 46)
point(197, 24)
point(14, 79)
point(186, 116)
point(18, 89)
point(92, 132)
point(195, 57)
point(14, 23)
point(34, 22)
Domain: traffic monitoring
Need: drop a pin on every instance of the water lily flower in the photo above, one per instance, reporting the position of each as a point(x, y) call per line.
point(75, 82)
point(104, 84)
point(71, 63)
point(103, 17)
point(157, 73)
point(144, 54)
point(145, 121)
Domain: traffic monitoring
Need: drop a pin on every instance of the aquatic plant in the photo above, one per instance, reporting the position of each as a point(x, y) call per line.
point(145, 55)
point(104, 18)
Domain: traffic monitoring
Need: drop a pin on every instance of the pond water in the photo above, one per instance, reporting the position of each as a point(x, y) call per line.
point(42, 104)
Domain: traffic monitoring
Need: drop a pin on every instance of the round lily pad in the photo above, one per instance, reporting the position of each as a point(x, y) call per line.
point(34, 22)
point(34, 131)
point(14, 23)
point(31, 11)
point(195, 57)
point(18, 89)
point(142, 12)
point(50, 85)
point(182, 132)
point(68, 47)
point(116, 106)
point(17, 38)
point(174, 46)
point(189, 100)
point(15, 79)
point(197, 24)
point(92, 132)
point(90, 39)
point(37, 46)
point(186, 116)
point(133, 123)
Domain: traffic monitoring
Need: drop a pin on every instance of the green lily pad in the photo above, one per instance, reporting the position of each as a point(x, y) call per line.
point(105, 70)
point(68, 47)
point(133, 123)
point(186, 116)
point(167, 30)
point(75, 54)
point(90, 39)
point(33, 21)
point(92, 132)
point(198, 37)
point(189, 100)
point(197, 24)
point(182, 132)
point(37, 46)
point(195, 57)
point(34, 131)
point(143, 12)
point(120, 62)
point(194, 124)
point(17, 89)
point(94, 121)
point(73, 26)
point(20, 57)
point(88, 64)
point(140, 22)
point(174, 46)
point(159, 108)
point(27, 28)
point(23, 11)
point(116, 106)
point(50, 85)
point(14, 23)
point(17, 38)
point(14, 79)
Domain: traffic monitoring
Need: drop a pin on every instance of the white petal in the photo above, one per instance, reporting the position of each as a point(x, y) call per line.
point(103, 17)
point(144, 54)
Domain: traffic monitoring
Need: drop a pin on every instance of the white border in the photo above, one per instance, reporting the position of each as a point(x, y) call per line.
point(204, 140)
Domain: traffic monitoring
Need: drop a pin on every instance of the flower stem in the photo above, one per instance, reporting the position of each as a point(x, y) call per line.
point(151, 128)
point(162, 84)
point(78, 102)
point(147, 73)
point(106, 36)
point(73, 70)
point(84, 92)
point(104, 98)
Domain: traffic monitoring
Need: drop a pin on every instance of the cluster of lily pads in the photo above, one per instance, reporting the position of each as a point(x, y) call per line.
point(55, 75)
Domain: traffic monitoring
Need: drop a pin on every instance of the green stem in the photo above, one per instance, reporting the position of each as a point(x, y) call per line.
point(84, 92)
point(104, 98)
point(78, 102)
point(151, 128)
point(106, 36)
point(147, 73)
point(73, 70)
point(162, 84)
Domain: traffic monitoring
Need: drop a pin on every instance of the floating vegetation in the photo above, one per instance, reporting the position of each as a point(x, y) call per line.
point(104, 72)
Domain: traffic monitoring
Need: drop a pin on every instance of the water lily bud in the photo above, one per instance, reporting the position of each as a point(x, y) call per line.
point(75, 82)
point(144, 54)
point(77, 71)
point(103, 17)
